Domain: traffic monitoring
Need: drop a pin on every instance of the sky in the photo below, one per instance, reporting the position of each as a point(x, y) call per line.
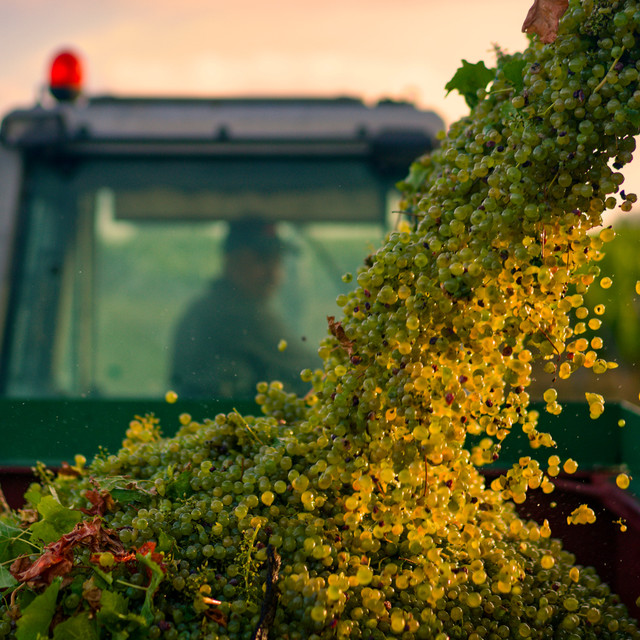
point(404, 49)
point(369, 48)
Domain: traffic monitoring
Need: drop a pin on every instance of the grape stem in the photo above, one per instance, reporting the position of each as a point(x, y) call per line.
point(426, 477)
point(380, 487)
point(247, 427)
point(497, 91)
point(411, 214)
point(544, 113)
point(542, 331)
point(613, 64)
point(133, 586)
point(12, 599)
point(552, 181)
point(249, 547)
point(104, 575)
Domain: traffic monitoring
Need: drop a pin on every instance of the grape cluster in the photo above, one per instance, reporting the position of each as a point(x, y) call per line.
point(368, 489)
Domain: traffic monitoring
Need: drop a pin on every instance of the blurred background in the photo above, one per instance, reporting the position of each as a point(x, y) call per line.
point(406, 49)
point(373, 49)
point(370, 48)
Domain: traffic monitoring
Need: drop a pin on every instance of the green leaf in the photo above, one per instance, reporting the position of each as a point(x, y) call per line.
point(512, 70)
point(7, 581)
point(12, 542)
point(633, 115)
point(417, 174)
point(12, 545)
point(114, 613)
point(180, 486)
point(468, 79)
point(126, 496)
point(157, 576)
point(33, 495)
point(80, 627)
point(112, 605)
point(36, 618)
point(56, 520)
point(165, 542)
point(508, 111)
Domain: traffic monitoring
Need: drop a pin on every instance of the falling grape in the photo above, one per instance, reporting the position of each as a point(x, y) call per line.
point(623, 480)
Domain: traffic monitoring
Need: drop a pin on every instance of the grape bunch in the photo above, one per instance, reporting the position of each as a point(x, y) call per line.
point(360, 509)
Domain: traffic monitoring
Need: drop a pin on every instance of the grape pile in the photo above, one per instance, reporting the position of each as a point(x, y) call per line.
point(359, 510)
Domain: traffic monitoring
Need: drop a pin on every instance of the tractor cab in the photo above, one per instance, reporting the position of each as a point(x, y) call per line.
point(115, 218)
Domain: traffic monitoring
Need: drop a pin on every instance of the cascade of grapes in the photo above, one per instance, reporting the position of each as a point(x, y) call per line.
point(359, 510)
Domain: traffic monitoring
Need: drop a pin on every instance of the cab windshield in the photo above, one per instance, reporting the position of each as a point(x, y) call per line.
point(126, 281)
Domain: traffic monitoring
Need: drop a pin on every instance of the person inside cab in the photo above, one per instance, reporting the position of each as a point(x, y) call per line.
point(227, 341)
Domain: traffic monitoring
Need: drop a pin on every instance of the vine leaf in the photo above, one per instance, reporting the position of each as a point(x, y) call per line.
point(512, 70)
point(114, 614)
point(80, 627)
point(633, 115)
point(57, 557)
point(179, 485)
point(155, 570)
point(36, 617)
point(101, 502)
point(468, 79)
point(56, 520)
point(338, 331)
point(417, 174)
point(543, 19)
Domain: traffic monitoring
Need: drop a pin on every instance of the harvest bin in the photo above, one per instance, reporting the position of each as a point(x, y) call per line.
point(53, 431)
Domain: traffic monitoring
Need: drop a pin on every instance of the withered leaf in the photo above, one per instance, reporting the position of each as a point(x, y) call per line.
point(28, 517)
point(338, 331)
point(147, 549)
point(67, 470)
point(217, 616)
point(57, 557)
point(543, 19)
point(102, 502)
point(91, 594)
point(44, 570)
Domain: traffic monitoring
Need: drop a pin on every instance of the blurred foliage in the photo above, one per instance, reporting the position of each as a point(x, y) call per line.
point(621, 320)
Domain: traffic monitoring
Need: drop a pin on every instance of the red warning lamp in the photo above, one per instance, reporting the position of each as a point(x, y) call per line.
point(66, 76)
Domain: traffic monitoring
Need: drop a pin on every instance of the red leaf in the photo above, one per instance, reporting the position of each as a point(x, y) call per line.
point(543, 19)
point(149, 548)
point(44, 570)
point(57, 557)
point(101, 501)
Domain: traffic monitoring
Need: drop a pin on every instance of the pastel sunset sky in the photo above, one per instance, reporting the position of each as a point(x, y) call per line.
point(368, 48)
